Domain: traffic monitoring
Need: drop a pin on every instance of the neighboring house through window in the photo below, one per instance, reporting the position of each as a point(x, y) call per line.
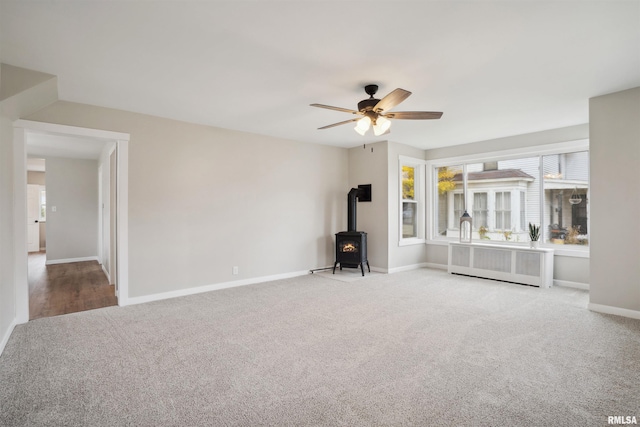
point(503, 196)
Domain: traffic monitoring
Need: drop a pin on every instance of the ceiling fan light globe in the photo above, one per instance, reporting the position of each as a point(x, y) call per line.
point(382, 125)
point(362, 125)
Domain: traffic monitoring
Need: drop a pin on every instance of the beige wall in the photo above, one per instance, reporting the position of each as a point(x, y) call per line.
point(72, 188)
point(368, 165)
point(7, 295)
point(37, 178)
point(16, 80)
point(614, 123)
point(203, 199)
point(378, 164)
point(400, 256)
point(21, 94)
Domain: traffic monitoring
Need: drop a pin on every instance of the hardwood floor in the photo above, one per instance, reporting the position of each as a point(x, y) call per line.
point(66, 288)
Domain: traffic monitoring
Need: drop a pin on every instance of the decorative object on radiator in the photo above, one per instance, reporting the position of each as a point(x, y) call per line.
point(466, 227)
point(534, 235)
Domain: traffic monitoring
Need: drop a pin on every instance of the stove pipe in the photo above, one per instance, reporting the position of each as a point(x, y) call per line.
point(351, 212)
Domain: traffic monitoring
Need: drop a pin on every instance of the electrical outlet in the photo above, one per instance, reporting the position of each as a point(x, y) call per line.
point(235, 269)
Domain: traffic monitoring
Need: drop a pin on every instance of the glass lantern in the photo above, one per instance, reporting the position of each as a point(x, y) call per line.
point(466, 223)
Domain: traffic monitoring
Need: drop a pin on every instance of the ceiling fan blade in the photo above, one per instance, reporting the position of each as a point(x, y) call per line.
point(414, 115)
point(391, 100)
point(340, 123)
point(329, 107)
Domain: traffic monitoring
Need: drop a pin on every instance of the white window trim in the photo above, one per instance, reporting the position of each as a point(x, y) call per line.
point(420, 182)
point(541, 150)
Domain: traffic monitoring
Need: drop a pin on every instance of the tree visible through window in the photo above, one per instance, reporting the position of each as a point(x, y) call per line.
point(409, 204)
point(450, 201)
point(412, 216)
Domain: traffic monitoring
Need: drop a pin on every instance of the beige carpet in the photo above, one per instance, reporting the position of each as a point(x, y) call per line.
point(415, 348)
point(348, 274)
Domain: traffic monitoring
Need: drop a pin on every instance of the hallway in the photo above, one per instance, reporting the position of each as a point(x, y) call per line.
point(66, 288)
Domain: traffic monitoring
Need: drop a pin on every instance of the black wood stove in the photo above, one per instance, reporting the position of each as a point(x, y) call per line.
point(351, 245)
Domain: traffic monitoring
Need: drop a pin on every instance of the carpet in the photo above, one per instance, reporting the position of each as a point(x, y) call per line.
point(414, 348)
point(348, 274)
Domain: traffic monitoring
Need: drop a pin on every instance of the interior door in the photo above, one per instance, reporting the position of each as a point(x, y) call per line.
point(33, 216)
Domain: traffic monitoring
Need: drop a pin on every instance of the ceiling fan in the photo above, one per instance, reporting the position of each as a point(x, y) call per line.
point(375, 112)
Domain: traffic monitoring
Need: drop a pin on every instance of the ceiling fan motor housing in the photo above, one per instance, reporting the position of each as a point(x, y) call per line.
point(367, 104)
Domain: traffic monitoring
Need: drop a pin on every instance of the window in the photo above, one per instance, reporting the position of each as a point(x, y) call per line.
point(479, 210)
point(412, 206)
point(450, 200)
point(458, 205)
point(503, 210)
point(566, 185)
point(505, 193)
point(523, 213)
point(409, 203)
point(43, 204)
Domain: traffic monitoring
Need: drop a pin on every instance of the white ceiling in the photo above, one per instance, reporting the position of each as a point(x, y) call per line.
point(495, 68)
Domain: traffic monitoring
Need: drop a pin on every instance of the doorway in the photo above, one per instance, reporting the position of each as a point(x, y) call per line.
point(114, 148)
point(57, 284)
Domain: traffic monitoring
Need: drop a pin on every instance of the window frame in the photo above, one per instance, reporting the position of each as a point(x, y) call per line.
point(485, 210)
point(432, 236)
point(504, 214)
point(419, 197)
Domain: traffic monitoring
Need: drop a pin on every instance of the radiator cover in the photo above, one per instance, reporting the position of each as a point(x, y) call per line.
point(509, 263)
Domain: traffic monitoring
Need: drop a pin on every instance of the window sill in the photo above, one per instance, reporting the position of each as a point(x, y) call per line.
point(413, 241)
point(558, 250)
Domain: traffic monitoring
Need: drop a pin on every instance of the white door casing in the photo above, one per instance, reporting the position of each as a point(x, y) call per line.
point(21, 129)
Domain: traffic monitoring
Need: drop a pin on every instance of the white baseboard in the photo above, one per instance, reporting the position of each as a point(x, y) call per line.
point(106, 273)
point(406, 268)
point(7, 335)
point(209, 288)
point(67, 260)
point(435, 266)
point(569, 284)
point(607, 309)
point(412, 267)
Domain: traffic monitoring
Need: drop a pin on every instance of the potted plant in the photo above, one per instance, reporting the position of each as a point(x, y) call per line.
point(534, 235)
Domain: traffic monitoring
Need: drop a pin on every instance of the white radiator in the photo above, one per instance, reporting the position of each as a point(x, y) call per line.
point(509, 263)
